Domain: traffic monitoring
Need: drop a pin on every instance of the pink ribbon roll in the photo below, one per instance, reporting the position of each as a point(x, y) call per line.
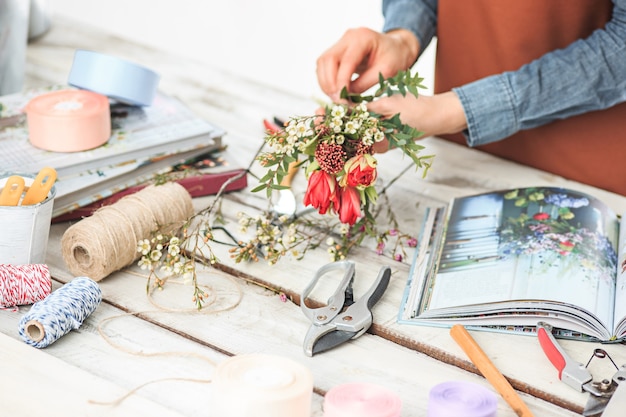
point(361, 400)
point(461, 399)
point(68, 120)
point(23, 284)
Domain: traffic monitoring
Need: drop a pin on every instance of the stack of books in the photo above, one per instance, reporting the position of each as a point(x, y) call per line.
point(145, 142)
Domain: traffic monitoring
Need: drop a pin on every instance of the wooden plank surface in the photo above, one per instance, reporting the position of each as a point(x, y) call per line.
point(407, 359)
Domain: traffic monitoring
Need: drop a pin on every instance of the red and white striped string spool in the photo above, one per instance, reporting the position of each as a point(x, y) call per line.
point(23, 284)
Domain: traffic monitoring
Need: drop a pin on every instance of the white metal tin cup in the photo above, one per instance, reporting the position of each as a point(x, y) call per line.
point(24, 230)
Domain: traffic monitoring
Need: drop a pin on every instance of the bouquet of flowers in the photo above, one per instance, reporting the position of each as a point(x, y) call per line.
point(337, 149)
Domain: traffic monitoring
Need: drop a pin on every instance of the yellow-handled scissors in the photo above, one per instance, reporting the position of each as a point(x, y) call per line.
point(12, 191)
point(40, 187)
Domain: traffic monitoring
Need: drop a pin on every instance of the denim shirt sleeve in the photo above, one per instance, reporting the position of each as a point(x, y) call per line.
point(588, 75)
point(418, 16)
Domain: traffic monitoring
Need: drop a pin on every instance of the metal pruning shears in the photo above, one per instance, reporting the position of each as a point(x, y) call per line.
point(342, 318)
point(606, 397)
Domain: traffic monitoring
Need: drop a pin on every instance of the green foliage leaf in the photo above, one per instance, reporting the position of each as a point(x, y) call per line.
point(259, 187)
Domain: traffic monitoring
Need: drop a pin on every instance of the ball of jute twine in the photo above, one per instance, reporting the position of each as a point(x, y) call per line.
point(107, 241)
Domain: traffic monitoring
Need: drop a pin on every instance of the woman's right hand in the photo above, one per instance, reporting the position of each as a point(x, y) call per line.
point(435, 115)
point(366, 53)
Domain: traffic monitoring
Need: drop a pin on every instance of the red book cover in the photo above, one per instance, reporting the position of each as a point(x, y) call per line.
point(195, 175)
point(198, 185)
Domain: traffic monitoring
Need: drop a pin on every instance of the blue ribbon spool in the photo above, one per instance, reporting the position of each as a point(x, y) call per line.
point(115, 78)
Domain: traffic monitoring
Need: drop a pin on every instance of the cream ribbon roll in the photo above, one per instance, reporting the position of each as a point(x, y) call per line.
point(361, 400)
point(113, 77)
point(68, 120)
point(261, 385)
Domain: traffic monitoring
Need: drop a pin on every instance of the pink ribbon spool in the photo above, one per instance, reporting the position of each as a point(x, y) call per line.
point(461, 399)
point(361, 400)
point(68, 120)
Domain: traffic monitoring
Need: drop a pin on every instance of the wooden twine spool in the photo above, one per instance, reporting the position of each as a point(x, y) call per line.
point(107, 240)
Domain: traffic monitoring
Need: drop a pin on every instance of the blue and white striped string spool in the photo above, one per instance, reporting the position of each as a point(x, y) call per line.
point(61, 312)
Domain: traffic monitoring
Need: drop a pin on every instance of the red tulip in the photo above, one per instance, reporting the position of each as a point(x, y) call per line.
point(321, 191)
point(360, 171)
point(349, 205)
point(541, 216)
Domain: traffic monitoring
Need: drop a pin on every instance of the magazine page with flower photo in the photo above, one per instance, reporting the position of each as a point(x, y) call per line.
point(502, 261)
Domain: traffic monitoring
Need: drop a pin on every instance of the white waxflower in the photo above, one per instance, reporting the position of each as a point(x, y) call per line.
point(155, 255)
point(337, 111)
point(351, 127)
point(144, 262)
point(339, 139)
point(379, 136)
point(177, 268)
point(335, 124)
point(291, 128)
point(143, 246)
point(303, 130)
point(173, 250)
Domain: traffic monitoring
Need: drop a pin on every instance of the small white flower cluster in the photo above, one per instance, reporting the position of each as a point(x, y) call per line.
point(359, 123)
point(335, 249)
point(342, 121)
point(297, 132)
point(276, 241)
point(163, 252)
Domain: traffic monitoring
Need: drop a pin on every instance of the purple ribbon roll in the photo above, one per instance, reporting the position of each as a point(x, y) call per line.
point(461, 399)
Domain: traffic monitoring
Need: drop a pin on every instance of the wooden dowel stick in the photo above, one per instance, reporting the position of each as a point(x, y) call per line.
point(489, 370)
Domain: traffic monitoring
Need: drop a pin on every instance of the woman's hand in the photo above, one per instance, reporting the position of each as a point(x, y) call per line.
point(366, 53)
point(434, 115)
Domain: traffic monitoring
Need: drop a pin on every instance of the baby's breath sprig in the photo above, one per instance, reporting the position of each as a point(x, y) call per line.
point(274, 238)
point(177, 252)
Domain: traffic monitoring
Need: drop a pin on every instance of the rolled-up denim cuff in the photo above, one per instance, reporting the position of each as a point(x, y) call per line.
point(489, 109)
point(411, 15)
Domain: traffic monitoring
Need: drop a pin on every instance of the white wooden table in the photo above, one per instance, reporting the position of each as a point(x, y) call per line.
point(66, 377)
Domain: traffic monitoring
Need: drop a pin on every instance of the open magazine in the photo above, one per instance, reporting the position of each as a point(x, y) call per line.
point(502, 261)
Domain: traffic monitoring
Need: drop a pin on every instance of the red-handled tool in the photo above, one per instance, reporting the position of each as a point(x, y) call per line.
point(577, 376)
point(571, 372)
point(271, 126)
